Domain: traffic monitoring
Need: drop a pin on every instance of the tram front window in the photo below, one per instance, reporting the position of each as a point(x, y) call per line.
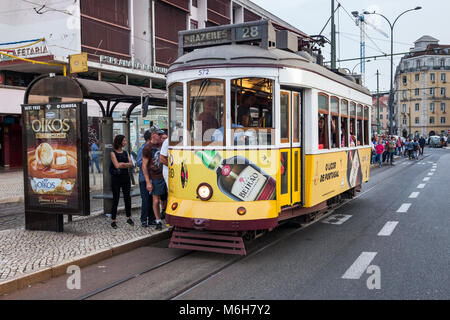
point(252, 111)
point(206, 110)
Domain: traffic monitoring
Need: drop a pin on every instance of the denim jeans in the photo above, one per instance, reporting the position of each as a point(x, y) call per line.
point(95, 160)
point(379, 158)
point(391, 157)
point(147, 204)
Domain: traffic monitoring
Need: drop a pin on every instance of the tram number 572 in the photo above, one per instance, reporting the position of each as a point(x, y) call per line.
point(203, 72)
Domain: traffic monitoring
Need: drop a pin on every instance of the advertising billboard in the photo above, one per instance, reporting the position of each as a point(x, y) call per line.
point(55, 153)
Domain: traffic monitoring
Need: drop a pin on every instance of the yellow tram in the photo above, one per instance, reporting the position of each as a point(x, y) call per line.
point(259, 133)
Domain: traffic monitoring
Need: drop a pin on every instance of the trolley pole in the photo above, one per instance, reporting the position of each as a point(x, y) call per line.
point(333, 38)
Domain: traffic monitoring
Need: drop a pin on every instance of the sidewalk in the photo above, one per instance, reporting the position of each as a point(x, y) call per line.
point(28, 257)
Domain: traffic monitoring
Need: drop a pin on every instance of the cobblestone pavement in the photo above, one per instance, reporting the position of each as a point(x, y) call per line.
point(23, 252)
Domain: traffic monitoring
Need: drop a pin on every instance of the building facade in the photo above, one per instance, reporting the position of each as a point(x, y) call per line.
point(422, 90)
point(127, 41)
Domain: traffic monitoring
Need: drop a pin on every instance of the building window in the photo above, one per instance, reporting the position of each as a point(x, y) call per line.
point(416, 107)
point(417, 76)
point(416, 92)
point(194, 24)
point(404, 94)
point(443, 106)
point(442, 91)
point(404, 80)
point(442, 62)
point(432, 91)
point(194, 3)
point(431, 119)
point(442, 119)
point(404, 120)
point(416, 120)
point(432, 77)
point(404, 107)
point(381, 117)
point(418, 63)
point(443, 77)
point(432, 107)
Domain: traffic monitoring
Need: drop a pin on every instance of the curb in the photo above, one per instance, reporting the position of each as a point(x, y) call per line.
point(83, 261)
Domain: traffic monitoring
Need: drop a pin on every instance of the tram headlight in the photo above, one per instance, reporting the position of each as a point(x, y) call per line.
point(204, 191)
point(241, 211)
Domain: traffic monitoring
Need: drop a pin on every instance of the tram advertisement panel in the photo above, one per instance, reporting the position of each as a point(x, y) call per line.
point(334, 173)
point(56, 170)
point(247, 175)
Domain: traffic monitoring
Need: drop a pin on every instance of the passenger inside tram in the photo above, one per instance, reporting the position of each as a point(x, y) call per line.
point(207, 116)
point(334, 132)
point(344, 137)
point(352, 133)
point(323, 132)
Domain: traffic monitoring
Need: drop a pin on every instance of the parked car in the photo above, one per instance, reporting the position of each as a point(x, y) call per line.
point(435, 142)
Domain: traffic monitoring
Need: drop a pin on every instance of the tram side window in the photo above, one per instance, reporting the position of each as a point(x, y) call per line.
point(344, 123)
point(323, 121)
point(206, 111)
point(334, 110)
point(352, 124)
point(252, 113)
point(366, 125)
point(176, 113)
point(359, 127)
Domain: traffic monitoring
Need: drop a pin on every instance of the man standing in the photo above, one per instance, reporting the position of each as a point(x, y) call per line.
point(392, 147)
point(146, 207)
point(422, 144)
point(154, 179)
point(94, 157)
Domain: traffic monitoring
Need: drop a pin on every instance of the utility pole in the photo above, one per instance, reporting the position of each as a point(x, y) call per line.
point(378, 102)
point(333, 38)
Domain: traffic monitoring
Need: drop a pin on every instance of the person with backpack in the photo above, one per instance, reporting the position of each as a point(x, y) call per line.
point(421, 144)
point(120, 178)
point(392, 146)
point(416, 149)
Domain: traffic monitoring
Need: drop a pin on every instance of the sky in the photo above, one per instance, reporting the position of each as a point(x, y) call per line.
point(310, 17)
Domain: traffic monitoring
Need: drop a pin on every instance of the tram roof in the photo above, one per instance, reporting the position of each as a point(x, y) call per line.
point(241, 55)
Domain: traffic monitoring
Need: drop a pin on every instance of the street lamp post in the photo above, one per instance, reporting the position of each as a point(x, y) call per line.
point(391, 91)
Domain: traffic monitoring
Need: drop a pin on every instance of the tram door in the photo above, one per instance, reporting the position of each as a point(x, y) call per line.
point(290, 154)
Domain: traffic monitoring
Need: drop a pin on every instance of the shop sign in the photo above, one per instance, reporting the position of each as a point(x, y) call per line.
point(28, 52)
point(56, 176)
point(132, 65)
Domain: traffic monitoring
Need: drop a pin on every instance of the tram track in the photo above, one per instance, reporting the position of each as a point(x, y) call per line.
point(210, 275)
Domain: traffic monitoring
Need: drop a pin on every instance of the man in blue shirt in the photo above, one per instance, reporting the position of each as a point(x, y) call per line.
point(147, 200)
point(94, 157)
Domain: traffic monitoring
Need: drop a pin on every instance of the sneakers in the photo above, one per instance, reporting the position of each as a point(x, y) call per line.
point(130, 222)
point(113, 225)
point(159, 226)
point(144, 225)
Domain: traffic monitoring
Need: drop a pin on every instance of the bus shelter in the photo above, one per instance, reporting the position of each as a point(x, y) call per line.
point(53, 91)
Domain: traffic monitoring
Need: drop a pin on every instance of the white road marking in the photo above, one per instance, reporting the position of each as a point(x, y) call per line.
point(404, 207)
point(358, 267)
point(414, 195)
point(421, 186)
point(426, 179)
point(430, 173)
point(388, 228)
point(433, 170)
point(337, 219)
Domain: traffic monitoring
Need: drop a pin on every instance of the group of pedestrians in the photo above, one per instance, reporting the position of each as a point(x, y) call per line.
point(385, 147)
point(153, 176)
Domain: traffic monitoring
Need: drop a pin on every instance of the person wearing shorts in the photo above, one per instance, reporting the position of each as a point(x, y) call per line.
point(154, 174)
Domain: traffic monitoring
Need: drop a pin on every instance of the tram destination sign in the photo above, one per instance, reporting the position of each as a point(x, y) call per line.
point(258, 31)
point(55, 154)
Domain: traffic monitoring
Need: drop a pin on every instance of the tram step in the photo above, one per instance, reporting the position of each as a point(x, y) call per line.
point(207, 241)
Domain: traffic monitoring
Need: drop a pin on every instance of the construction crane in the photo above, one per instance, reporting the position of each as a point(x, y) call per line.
point(361, 22)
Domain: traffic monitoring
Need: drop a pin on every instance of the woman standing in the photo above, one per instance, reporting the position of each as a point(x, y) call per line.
point(120, 178)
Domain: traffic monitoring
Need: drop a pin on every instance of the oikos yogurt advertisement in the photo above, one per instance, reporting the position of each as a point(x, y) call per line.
point(52, 155)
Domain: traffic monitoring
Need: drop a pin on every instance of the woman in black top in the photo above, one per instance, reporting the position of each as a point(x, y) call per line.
point(120, 178)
